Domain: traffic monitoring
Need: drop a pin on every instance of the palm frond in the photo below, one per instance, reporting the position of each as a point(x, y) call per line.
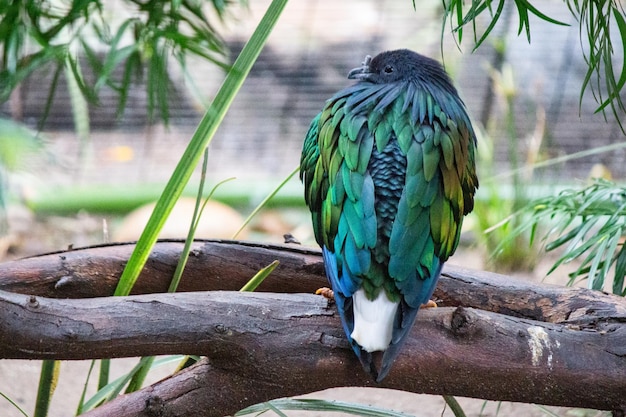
point(588, 225)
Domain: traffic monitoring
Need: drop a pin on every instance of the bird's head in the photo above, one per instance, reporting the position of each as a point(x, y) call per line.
point(398, 65)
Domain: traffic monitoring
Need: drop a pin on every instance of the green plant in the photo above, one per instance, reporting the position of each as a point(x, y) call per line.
point(200, 140)
point(39, 34)
point(16, 142)
point(598, 40)
point(495, 202)
point(278, 406)
point(17, 407)
point(588, 225)
point(186, 166)
point(53, 35)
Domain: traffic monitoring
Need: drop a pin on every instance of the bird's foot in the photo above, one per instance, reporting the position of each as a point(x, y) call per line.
point(326, 293)
point(429, 304)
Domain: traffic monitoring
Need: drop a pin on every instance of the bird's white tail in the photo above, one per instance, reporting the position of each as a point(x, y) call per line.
point(373, 320)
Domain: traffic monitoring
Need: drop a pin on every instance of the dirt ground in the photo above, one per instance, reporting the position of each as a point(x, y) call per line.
point(18, 378)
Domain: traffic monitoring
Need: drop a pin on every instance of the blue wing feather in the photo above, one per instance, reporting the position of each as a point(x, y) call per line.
point(344, 289)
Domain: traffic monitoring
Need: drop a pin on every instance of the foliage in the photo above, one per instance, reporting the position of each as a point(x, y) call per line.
point(318, 405)
point(494, 204)
point(200, 140)
point(598, 21)
point(588, 225)
point(16, 143)
point(48, 380)
point(14, 405)
point(52, 35)
point(142, 38)
point(161, 42)
point(196, 148)
point(114, 388)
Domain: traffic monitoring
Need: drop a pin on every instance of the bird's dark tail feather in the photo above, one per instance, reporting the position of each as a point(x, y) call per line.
point(368, 360)
point(378, 364)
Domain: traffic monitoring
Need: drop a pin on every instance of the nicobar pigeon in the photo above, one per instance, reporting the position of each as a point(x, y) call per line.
point(388, 168)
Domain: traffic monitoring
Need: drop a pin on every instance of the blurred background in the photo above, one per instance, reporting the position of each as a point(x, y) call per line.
point(95, 161)
point(77, 169)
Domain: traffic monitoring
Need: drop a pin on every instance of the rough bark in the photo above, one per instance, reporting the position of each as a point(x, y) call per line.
point(263, 346)
point(228, 265)
point(502, 338)
point(212, 265)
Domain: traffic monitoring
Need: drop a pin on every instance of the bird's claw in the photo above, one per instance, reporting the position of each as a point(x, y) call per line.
point(429, 304)
point(326, 293)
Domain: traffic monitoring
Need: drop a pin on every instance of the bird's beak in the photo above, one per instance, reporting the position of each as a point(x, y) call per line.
point(363, 72)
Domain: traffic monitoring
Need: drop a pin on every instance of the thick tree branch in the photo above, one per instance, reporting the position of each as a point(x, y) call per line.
point(228, 265)
point(263, 346)
point(532, 343)
point(212, 265)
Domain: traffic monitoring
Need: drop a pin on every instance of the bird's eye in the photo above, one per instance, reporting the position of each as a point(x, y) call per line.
point(388, 69)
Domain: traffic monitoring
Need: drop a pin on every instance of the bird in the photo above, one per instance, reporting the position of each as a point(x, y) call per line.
point(388, 168)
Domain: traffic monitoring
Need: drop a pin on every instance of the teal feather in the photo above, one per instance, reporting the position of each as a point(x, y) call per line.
point(382, 135)
point(430, 155)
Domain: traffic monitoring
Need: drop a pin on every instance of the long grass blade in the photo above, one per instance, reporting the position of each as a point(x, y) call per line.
point(195, 218)
point(139, 377)
point(113, 389)
point(14, 404)
point(83, 394)
point(620, 271)
point(103, 376)
point(555, 161)
point(201, 138)
point(48, 379)
point(321, 405)
point(263, 203)
point(454, 405)
point(271, 407)
point(259, 277)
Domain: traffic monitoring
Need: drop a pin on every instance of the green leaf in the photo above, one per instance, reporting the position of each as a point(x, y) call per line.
point(541, 15)
point(81, 401)
point(116, 55)
point(591, 222)
point(577, 232)
point(259, 277)
point(48, 379)
point(454, 406)
point(140, 373)
point(491, 25)
point(321, 405)
point(265, 201)
point(599, 43)
point(75, 75)
point(14, 404)
point(113, 389)
point(524, 23)
point(103, 376)
point(620, 271)
point(619, 85)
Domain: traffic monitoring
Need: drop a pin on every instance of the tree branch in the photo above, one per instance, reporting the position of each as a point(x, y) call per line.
point(264, 346)
point(212, 265)
point(228, 265)
point(538, 343)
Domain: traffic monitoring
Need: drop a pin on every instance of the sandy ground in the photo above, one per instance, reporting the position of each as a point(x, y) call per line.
point(18, 379)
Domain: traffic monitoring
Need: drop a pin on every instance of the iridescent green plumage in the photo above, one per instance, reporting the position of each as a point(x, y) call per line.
point(389, 173)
